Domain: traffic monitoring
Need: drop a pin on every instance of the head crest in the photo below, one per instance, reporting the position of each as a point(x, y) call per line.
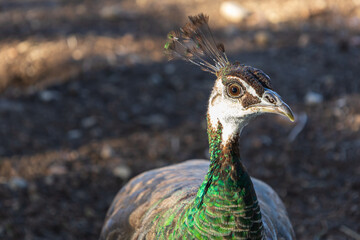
point(195, 43)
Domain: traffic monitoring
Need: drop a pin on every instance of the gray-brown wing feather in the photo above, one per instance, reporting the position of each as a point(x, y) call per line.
point(126, 217)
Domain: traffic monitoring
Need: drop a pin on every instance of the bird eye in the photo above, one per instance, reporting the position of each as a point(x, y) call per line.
point(235, 90)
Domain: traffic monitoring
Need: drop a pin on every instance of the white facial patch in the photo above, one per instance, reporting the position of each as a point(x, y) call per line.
point(231, 114)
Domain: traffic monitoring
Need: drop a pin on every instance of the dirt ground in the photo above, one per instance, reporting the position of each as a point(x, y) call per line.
point(88, 101)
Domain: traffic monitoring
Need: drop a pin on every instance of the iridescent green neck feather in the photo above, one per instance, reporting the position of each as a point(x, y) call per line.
point(226, 205)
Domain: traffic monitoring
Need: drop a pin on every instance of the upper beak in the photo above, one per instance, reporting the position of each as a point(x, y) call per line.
point(274, 104)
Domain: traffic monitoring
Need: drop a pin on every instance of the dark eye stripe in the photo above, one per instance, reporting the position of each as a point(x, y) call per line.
point(249, 100)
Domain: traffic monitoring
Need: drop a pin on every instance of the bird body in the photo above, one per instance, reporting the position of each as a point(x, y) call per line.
point(150, 205)
point(200, 199)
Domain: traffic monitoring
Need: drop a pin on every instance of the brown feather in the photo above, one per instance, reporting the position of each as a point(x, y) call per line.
point(195, 43)
point(130, 213)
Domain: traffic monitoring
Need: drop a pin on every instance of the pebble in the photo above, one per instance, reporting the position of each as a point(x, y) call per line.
point(341, 102)
point(72, 42)
point(49, 180)
point(175, 144)
point(89, 212)
point(312, 98)
point(74, 134)
point(155, 119)
point(122, 171)
point(23, 46)
point(48, 95)
point(303, 40)
point(106, 152)
point(110, 12)
point(116, 11)
point(88, 122)
point(16, 183)
point(169, 68)
point(155, 78)
point(57, 170)
point(78, 54)
point(340, 109)
point(328, 80)
point(233, 11)
point(355, 41)
point(262, 38)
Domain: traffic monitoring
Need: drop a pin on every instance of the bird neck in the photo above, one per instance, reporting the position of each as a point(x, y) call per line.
point(227, 199)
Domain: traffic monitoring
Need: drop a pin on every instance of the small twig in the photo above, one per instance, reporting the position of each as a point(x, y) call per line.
point(301, 122)
point(350, 232)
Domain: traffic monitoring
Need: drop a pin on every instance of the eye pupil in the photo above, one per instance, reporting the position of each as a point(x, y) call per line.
point(234, 90)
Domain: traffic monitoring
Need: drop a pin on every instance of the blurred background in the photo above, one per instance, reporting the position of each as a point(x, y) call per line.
point(88, 100)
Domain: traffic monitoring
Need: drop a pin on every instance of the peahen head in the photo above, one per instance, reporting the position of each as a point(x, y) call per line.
point(240, 92)
point(239, 95)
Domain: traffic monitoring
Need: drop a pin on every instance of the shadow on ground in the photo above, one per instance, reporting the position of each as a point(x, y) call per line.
point(93, 103)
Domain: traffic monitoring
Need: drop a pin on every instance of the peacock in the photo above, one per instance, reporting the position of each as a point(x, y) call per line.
point(200, 199)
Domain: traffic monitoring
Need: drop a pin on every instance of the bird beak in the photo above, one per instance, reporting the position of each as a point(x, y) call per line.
point(282, 109)
point(272, 103)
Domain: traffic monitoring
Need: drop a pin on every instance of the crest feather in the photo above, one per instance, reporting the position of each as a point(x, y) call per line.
point(195, 43)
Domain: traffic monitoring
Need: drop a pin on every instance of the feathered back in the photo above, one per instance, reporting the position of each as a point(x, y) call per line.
point(195, 43)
